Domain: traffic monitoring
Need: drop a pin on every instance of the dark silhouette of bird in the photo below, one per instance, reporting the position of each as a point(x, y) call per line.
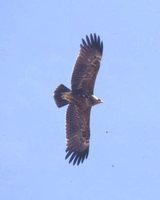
point(80, 98)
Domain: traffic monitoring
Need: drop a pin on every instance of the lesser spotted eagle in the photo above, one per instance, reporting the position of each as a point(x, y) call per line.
point(80, 98)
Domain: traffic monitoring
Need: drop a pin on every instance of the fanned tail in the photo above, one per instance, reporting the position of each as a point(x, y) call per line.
point(58, 95)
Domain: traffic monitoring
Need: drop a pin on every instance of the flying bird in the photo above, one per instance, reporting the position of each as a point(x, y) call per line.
point(80, 98)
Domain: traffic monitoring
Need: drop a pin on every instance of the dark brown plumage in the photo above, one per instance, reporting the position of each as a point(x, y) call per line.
point(80, 98)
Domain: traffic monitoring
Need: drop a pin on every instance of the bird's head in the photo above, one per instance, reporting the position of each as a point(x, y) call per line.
point(96, 100)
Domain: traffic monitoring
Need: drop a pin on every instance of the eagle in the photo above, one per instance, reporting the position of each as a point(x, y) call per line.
point(80, 98)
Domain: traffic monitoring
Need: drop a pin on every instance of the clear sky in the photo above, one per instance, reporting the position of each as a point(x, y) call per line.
point(39, 42)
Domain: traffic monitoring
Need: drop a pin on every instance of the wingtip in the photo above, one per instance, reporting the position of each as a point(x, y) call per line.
point(92, 40)
point(76, 157)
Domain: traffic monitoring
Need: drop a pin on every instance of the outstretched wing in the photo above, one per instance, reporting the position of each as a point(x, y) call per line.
point(87, 65)
point(78, 133)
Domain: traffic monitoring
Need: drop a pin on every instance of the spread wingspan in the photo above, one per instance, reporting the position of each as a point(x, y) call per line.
point(80, 98)
point(78, 133)
point(87, 65)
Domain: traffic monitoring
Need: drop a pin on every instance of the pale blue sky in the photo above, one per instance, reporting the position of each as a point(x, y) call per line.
point(39, 42)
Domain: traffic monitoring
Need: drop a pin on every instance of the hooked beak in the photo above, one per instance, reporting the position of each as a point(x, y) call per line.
point(100, 101)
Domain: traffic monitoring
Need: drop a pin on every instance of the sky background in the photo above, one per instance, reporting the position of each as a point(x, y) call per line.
point(39, 42)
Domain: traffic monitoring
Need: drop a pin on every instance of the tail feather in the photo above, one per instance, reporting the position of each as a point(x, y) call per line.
point(58, 95)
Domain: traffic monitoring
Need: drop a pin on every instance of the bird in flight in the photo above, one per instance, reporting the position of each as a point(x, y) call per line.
point(80, 98)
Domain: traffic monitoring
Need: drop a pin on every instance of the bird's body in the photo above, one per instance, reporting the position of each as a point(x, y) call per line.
point(80, 98)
